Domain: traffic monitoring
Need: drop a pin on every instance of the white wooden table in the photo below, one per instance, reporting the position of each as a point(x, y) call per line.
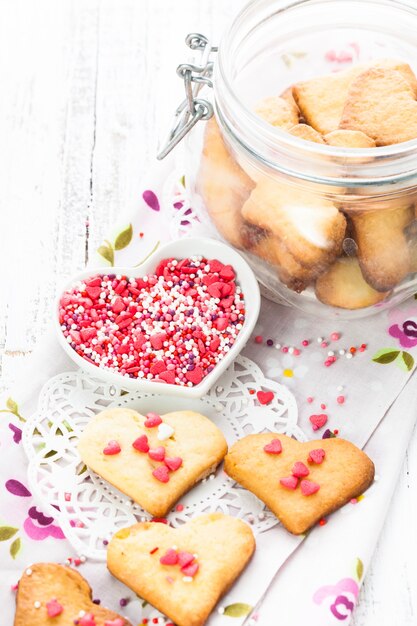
point(87, 87)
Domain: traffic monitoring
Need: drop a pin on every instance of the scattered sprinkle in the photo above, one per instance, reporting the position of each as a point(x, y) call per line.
point(318, 421)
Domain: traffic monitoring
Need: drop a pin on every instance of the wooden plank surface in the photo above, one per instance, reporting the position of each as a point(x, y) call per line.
point(88, 88)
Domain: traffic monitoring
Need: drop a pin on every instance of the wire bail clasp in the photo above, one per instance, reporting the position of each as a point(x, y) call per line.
point(195, 76)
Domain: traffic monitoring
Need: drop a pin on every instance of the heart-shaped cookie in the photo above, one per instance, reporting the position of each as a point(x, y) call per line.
point(173, 325)
point(305, 481)
point(152, 459)
point(49, 593)
point(183, 572)
point(381, 103)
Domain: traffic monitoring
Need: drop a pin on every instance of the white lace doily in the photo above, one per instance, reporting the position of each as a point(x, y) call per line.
point(88, 509)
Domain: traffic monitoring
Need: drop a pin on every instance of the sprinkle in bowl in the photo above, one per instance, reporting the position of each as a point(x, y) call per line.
point(171, 326)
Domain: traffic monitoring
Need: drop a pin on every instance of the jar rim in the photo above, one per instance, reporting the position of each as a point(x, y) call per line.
point(402, 157)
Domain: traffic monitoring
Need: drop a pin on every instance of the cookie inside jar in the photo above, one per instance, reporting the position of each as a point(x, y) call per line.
point(309, 167)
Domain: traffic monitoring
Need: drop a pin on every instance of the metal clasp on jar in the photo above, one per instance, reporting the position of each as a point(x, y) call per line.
point(195, 76)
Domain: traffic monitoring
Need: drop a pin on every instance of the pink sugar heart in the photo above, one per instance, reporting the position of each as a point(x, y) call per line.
point(216, 265)
point(167, 376)
point(190, 570)
point(195, 376)
point(215, 289)
point(87, 333)
point(221, 323)
point(300, 470)
point(308, 487)
point(169, 558)
point(115, 622)
point(265, 397)
point(113, 447)
point(316, 456)
point(185, 558)
point(118, 305)
point(93, 292)
point(158, 367)
point(161, 473)
point(173, 463)
point(289, 482)
point(53, 608)
point(227, 272)
point(318, 421)
point(141, 444)
point(273, 447)
point(152, 420)
point(87, 620)
point(157, 454)
point(157, 340)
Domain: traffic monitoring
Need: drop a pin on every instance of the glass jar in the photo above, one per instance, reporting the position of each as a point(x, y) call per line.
point(328, 229)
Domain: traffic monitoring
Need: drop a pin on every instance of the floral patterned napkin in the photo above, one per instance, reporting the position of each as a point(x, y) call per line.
point(355, 395)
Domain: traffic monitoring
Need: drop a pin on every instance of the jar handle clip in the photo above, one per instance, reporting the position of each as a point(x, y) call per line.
point(195, 76)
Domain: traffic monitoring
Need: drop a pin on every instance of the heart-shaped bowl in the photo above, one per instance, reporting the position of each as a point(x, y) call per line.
point(180, 249)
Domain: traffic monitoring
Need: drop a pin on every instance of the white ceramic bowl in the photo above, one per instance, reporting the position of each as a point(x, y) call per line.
point(209, 248)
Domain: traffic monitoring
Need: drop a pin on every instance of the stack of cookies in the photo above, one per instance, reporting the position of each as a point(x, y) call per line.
point(352, 249)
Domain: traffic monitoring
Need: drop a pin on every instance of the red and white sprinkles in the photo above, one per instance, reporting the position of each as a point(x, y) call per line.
point(184, 560)
point(141, 444)
point(299, 469)
point(172, 326)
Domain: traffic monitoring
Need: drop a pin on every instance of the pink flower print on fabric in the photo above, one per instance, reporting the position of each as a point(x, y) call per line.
point(342, 597)
point(404, 327)
point(39, 527)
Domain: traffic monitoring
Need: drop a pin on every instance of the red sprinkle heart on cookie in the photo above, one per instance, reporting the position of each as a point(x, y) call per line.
point(289, 482)
point(190, 570)
point(185, 558)
point(161, 473)
point(274, 447)
point(173, 463)
point(157, 454)
point(308, 487)
point(152, 420)
point(318, 421)
point(316, 456)
point(265, 397)
point(300, 470)
point(53, 608)
point(169, 558)
point(113, 447)
point(87, 620)
point(141, 444)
